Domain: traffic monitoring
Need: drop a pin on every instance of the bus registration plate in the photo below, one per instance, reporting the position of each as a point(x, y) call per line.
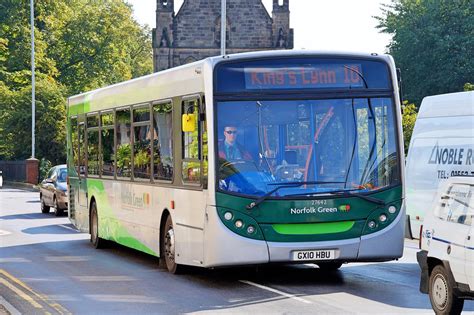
point(323, 254)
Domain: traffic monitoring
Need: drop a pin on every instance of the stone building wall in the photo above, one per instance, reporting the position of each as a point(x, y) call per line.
point(193, 33)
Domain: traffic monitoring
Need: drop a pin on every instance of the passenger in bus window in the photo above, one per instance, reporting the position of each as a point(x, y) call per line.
point(230, 149)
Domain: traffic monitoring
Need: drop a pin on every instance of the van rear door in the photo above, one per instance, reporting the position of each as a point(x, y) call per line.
point(451, 234)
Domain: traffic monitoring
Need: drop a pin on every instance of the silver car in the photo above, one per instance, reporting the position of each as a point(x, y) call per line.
point(53, 190)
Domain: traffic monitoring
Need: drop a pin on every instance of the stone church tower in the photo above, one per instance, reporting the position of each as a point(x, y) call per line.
point(194, 32)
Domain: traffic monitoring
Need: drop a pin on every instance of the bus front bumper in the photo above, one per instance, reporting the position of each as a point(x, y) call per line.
point(384, 245)
point(225, 248)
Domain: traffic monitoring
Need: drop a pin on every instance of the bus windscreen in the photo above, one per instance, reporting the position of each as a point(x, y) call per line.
point(301, 74)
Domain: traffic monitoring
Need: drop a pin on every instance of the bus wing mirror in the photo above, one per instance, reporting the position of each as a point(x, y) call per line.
point(189, 122)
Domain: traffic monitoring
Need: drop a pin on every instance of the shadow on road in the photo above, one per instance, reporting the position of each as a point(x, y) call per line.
point(28, 216)
point(52, 229)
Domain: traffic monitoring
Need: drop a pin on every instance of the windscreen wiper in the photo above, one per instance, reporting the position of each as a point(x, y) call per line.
point(255, 203)
point(347, 192)
point(373, 118)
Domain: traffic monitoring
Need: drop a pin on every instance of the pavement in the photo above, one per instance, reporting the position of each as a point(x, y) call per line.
point(20, 185)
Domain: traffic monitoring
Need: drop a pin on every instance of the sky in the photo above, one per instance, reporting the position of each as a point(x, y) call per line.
point(346, 25)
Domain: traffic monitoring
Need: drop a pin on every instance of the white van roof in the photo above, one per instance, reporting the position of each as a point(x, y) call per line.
point(453, 104)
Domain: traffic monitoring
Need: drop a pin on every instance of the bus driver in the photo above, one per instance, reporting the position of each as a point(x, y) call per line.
point(230, 149)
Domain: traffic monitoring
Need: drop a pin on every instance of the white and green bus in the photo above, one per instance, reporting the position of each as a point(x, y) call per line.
point(317, 177)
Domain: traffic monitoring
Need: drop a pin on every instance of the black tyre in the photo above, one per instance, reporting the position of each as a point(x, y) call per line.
point(330, 266)
point(168, 247)
point(441, 293)
point(96, 241)
point(57, 210)
point(44, 207)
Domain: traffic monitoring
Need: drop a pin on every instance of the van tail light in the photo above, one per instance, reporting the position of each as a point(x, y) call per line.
point(421, 235)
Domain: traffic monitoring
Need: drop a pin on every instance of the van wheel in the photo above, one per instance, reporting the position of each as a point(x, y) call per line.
point(329, 266)
point(44, 207)
point(441, 293)
point(96, 241)
point(57, 211)
point(169, 248)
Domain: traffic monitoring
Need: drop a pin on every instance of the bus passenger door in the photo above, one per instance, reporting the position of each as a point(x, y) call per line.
point(82, 215)
point(73, 168)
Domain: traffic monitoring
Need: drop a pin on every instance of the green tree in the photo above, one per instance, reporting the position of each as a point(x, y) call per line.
point(80, 45)
point(94, 43)
point(432, 43)
point(15, 142)
point(468, 87)
point(409, 113)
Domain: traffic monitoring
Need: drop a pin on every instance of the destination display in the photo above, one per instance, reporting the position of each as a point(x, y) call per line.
point(317, 76)
point(305, 73)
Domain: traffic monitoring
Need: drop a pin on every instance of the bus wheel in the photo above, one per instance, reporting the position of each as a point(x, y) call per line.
point(44, 207)
point(169, 248)
point(330, 266)
point(441, 293)
point(96, 241)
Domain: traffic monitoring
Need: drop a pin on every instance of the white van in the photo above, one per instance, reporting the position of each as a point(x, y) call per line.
point(442, 145)
point(447, 242)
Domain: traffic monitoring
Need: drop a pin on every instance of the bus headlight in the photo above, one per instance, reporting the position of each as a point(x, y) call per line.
point(372, 224)
point(392, 209)
point(240, 223)
point(382, 218)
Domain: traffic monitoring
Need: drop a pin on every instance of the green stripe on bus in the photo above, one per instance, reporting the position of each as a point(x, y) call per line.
point(313, 228)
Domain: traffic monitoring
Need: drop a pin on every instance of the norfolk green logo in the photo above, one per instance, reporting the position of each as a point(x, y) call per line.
point(344, 208)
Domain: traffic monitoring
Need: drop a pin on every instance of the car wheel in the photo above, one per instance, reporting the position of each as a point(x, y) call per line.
point(96, 241)
point(44, 207)
point(169, 248)
point(57, 211)
point(330, 266)
point(441, 293)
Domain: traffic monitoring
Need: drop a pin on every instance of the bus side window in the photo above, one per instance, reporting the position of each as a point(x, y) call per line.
point(205, 150)
point(93, 145)
point(191, 166)
point(142, 138)
point(123, 151)
point(107, 145)
point(163, 141)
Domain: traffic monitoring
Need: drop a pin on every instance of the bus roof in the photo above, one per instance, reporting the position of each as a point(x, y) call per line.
point(447, 105)
point(180, 80)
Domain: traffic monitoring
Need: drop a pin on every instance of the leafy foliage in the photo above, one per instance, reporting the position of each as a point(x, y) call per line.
point(409, 112)
point(44, 167)
point(80, 45)
point(432, 43)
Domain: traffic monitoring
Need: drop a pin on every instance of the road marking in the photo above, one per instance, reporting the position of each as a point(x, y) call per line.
point(291, 296)
point(3, 233)
point(10, 308)
point(60, 309)
point(20, 293)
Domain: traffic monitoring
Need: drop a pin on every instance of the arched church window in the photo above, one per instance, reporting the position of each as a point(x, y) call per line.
point(165, 40)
